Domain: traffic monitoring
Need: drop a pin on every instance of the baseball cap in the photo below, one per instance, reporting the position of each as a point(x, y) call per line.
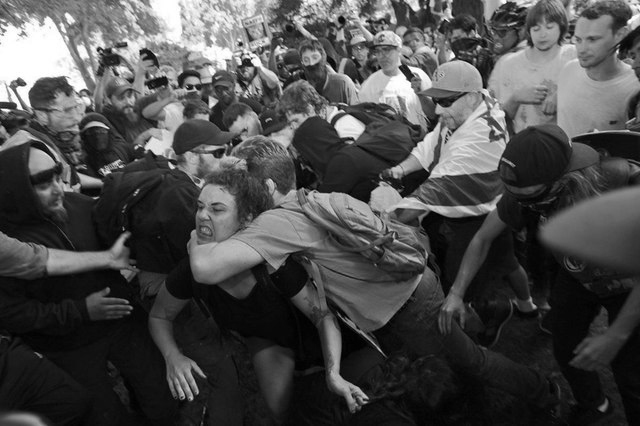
point(541, 155)
point(604, 230)
point(118, 86)
point(224, 78)
point(93, 119)
point(454, 77)
point(357, 40)
point(412, 30)
point(271, 122)
point(193, 133)
point(387, 38)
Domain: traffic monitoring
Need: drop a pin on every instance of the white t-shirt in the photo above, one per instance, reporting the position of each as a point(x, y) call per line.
point(515, 71)
point(396, 91)
point(585, 104)
point(348, 127)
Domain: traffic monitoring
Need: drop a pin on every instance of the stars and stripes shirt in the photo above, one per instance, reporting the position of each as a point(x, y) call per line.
point(463, 164)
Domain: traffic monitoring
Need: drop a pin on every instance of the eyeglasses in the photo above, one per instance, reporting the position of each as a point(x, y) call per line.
point(66, 111)
point(193, 86)
point(358, 47)
point(448, 101)
point(46, 175)
point(543, 201)
point(217, 153)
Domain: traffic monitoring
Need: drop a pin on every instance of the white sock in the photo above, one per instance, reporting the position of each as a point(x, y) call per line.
point(605, 405)
point(526, 305)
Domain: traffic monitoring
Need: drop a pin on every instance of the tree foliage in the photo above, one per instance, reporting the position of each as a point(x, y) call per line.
point(84, 24)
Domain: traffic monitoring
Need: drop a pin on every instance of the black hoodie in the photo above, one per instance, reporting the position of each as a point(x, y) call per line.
point(49, 313)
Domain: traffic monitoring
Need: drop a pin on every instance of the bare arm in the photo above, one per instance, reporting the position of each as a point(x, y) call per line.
point(215, 262)
point(179, 368)
point(595, 352)
point(307, 300)
point(89, 182)
point(473, 258)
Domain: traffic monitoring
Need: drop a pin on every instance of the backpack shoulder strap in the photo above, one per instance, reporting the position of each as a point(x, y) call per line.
point(343, 64)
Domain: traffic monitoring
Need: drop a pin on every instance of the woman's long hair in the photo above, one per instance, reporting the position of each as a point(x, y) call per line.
point(580, 185)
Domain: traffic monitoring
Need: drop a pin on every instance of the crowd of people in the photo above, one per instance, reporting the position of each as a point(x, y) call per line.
point(167, 212)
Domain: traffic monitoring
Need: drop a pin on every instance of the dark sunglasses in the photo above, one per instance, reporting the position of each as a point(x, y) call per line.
point(448, 101)
point(46, 175)
point(193, 86)
point(217, 153)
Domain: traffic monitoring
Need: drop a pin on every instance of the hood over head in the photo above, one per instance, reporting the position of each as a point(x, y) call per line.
point(317, 141)
point(19, 204)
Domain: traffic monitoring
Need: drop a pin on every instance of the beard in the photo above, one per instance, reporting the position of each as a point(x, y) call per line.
point(58, 215)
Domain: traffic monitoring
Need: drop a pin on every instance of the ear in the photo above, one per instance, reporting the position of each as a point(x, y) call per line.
point(271, 186)
point(620, 34)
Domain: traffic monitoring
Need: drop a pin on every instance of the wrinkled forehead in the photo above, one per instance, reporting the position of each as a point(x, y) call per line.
point(39, 161)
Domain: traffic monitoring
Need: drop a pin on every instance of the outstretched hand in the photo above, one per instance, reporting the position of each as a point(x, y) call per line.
point(119, 254)
point(596, 352)
point(352, 394)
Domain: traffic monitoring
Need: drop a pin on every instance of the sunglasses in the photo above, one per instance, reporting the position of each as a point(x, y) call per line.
point(46, 175)
point(193, 86)
point(448, 101)
point(217, 153)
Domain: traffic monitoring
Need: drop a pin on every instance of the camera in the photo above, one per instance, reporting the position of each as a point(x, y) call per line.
point(107, 57)
point(157, 82)
point(18, 82)
point(289, 28)
point(342, 20)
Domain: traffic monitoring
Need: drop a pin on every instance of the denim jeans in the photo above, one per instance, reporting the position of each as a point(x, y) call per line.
point(414, 329)
point(574, 308)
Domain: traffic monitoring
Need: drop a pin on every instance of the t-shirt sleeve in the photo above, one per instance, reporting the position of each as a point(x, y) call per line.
point(510, 212)
point(179, 282)
point(290, 278)
point(21, 260)
point(274, 236)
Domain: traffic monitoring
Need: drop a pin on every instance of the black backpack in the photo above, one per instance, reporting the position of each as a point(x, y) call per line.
point(388, 136)
point(127, 200)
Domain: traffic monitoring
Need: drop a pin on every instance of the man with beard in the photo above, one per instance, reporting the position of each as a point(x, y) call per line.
point(335, 87)
point(389, 85)
point(594, 91)
point(461, 155)
point(198, 145)
point(224, 85)
point(257, 82)
point(170, 104)
point(78, 320)
point(57, 111)
point(123, 113)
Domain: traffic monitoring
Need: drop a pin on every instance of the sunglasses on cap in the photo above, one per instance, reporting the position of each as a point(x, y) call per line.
point(193, 86)
point(448, 101)
point(542, 201)
point(46, 175)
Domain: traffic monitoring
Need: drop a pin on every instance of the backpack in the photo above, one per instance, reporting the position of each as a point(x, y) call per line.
point(122, 194)
point(391, 246)
point(388, 136)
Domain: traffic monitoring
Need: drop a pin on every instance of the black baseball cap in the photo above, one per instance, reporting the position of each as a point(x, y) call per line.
point(541, 155)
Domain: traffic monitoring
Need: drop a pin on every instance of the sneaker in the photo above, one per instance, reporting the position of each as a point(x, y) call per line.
point(494, 314)
point(522, 314)
point(580, 416)
point(546, 322)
